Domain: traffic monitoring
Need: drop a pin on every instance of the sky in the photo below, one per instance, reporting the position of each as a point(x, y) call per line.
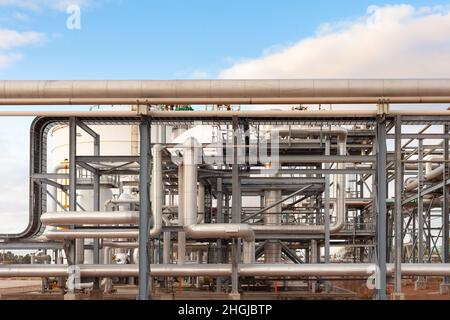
point(196, 39)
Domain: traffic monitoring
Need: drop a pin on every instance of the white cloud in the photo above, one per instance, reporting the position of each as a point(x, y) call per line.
point(10, 40)
point(390, 41)
point(38, 5)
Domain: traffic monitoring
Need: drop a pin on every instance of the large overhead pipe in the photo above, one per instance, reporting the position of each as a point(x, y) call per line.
point(224, 91)
point(208, 231)
point(224, 270)
point(341, 134)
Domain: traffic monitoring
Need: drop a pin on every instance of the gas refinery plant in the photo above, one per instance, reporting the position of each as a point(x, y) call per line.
point(178, 189)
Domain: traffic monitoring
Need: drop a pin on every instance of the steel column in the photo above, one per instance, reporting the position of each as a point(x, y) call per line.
point(381, 206)
point(144, 208)
point(236, 209)
point(398, 218)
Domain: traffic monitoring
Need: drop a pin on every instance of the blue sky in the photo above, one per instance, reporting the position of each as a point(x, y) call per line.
point(167, 39)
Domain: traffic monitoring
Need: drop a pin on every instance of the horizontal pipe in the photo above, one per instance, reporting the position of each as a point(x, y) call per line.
point(225, 91)
point(224, 270)
point(221, 114)
point(90, 233)
point(225, 100)
point(89, 217)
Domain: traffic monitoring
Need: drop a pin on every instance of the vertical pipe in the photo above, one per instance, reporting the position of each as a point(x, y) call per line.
point(398, 205)
point(327, 205)
point(144, 207)
point(72, 182)
point(327, 212)
point(219, 219)
point(96, 207)
point(272, 249)
point(381, 205)
point(181, 234)
point(420, 202)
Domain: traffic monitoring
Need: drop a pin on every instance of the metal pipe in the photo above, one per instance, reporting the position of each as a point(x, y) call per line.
point(204, 231)
point(157, 190)
point(110, 202)
point(224, 91)
point(224, 270)
point(341, 134)
point(173, 115)
point(91, 233)
point(89, 217)
point(181, 215)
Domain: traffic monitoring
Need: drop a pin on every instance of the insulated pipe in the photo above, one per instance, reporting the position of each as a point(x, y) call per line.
point(181, 216)
point(109, 203)
point(89, 217)
point(224, 270)
point(157, 191)
point(341, 134)
point(221, 114)
point(91, 233)
point(224, 91)
point(207, 231)
point(437, 173)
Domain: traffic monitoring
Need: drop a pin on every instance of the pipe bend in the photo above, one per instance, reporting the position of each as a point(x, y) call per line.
point(157, 191)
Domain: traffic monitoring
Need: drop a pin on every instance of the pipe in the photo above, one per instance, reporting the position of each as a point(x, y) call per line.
point(173, 115)
point(412, 184)
point(89, 217)
point(157, 190)
point(181, 251)
point(91, 233)
point(224, 91)
point(224, 270)
point(109, 203)
point(207, 231)
point(341, 134)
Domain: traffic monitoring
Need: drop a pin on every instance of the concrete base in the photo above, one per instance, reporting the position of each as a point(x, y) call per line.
point(444, 288)
point(397, 296)
point(420, 284)
point(235, 296)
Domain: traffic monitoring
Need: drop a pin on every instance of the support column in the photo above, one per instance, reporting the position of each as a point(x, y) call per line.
point(420, 282)
point(144, 207)
point(71, 254)
point(398, 217)
point(445, 285)
point(381, 206)
point(236, 211)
